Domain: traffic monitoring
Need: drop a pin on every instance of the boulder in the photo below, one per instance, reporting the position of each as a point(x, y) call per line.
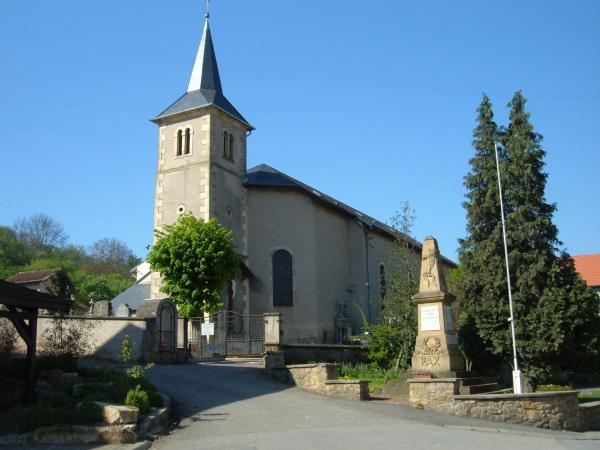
point(119, 414)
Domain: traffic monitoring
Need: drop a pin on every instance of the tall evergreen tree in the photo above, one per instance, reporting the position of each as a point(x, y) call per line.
point(554, 312)
point(481, 283)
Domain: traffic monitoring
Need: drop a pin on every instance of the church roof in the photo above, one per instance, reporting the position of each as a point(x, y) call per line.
point(266, 176)
point(204, 88)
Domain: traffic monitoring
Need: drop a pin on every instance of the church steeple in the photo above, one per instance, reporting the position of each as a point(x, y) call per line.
point(205, 74)
point(204, 88)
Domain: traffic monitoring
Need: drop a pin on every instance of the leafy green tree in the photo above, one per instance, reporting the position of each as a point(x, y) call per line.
point(195, 260)
point(550, 303)
point(13, 254)
point(93, 288)
point(392, 341)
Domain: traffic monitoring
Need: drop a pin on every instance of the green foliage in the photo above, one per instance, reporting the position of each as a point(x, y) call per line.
point(39, 243)
point(391, 342)
point(12, 252)
point(138, 371)
point(360, 371)
point(93, 288)
point(30, 418)
point(138, 397)
point(556, 325)
point(195, 259)
point(126, 349)
point(552, 388)
point(589, 396)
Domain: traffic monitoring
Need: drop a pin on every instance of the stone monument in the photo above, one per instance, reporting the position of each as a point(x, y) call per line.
point(436, 348)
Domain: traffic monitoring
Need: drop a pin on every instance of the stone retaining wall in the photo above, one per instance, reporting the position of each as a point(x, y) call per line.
point(322, 378)
point(555, 410)
point(303, 353)
point(589, 416)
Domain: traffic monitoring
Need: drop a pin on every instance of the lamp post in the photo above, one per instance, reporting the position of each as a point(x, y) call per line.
point(516, 372)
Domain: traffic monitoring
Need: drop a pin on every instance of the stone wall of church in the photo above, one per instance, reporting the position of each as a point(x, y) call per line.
point(329, 263)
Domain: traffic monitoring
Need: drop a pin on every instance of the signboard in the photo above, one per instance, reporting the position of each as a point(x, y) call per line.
point(207, 329)
point(430, 318)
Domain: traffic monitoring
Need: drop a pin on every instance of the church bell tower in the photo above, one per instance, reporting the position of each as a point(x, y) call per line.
point(202, 154)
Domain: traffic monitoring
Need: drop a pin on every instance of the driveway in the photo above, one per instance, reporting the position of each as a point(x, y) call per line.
point(235, 405)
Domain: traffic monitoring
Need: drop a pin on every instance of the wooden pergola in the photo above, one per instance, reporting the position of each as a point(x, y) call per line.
point(22, 305)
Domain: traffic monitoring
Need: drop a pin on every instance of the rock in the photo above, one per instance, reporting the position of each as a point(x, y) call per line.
point(117, 434)
point(119, 414)
point(64, 434)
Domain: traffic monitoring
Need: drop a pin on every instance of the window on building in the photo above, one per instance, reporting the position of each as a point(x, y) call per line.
point(382, 282)
point(188, 137)
point(227, 145)
point(179, 142)
point(283, 280)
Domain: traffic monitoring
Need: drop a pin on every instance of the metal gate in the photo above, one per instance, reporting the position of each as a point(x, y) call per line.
point(233, 334)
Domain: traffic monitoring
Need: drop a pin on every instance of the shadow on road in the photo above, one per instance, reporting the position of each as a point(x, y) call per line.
point(197, 387)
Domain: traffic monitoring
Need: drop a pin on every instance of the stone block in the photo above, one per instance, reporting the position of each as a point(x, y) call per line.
point(117, 434)
point(64, 434)
point(119, 414)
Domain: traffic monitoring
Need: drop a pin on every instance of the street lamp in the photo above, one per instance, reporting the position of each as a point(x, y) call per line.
point(516, 372)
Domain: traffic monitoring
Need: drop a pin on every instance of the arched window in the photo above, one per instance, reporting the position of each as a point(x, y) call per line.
point(382, 282)
point(179, 142)
point(283, 279)
point(230, 153)
point(186, 149)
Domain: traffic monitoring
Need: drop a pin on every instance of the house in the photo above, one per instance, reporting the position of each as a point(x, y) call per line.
point(126, 303)
point(588, 266)
point(310, 257)
point(50, 281)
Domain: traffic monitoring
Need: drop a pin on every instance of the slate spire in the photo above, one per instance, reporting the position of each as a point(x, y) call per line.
point(204, 88)
point(205, 74)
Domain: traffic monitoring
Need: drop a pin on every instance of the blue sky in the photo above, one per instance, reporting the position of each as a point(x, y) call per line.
point(372, 103)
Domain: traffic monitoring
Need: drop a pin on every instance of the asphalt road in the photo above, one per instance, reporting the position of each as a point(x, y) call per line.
point(235, 405)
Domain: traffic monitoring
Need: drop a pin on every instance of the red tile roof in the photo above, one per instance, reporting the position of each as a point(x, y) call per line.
point(588, 267)
point(32, 276)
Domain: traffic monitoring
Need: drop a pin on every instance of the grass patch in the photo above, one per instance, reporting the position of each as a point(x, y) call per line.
point(362, 371)
point(589, 396)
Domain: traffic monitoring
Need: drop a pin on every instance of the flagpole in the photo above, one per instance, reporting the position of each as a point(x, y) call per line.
point(516, 372)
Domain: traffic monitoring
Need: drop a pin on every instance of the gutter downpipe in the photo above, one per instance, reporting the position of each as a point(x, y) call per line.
point(363, 227)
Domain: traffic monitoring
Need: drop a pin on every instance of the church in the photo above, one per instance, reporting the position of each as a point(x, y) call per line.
point(319, 262)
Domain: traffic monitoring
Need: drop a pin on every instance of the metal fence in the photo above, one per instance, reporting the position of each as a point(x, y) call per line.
point(227, 333)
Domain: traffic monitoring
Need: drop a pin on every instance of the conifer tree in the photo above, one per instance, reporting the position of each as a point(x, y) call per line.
point(554, 311)
point(481, 283)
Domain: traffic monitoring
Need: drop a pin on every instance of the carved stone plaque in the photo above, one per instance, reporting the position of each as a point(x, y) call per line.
point(430, 318)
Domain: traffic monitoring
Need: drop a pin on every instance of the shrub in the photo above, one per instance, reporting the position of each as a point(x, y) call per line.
point(30, 418)
point(552, 388)
point(138, 397)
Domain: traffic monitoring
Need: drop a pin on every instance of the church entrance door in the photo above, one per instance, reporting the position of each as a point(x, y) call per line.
point(227, 333)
